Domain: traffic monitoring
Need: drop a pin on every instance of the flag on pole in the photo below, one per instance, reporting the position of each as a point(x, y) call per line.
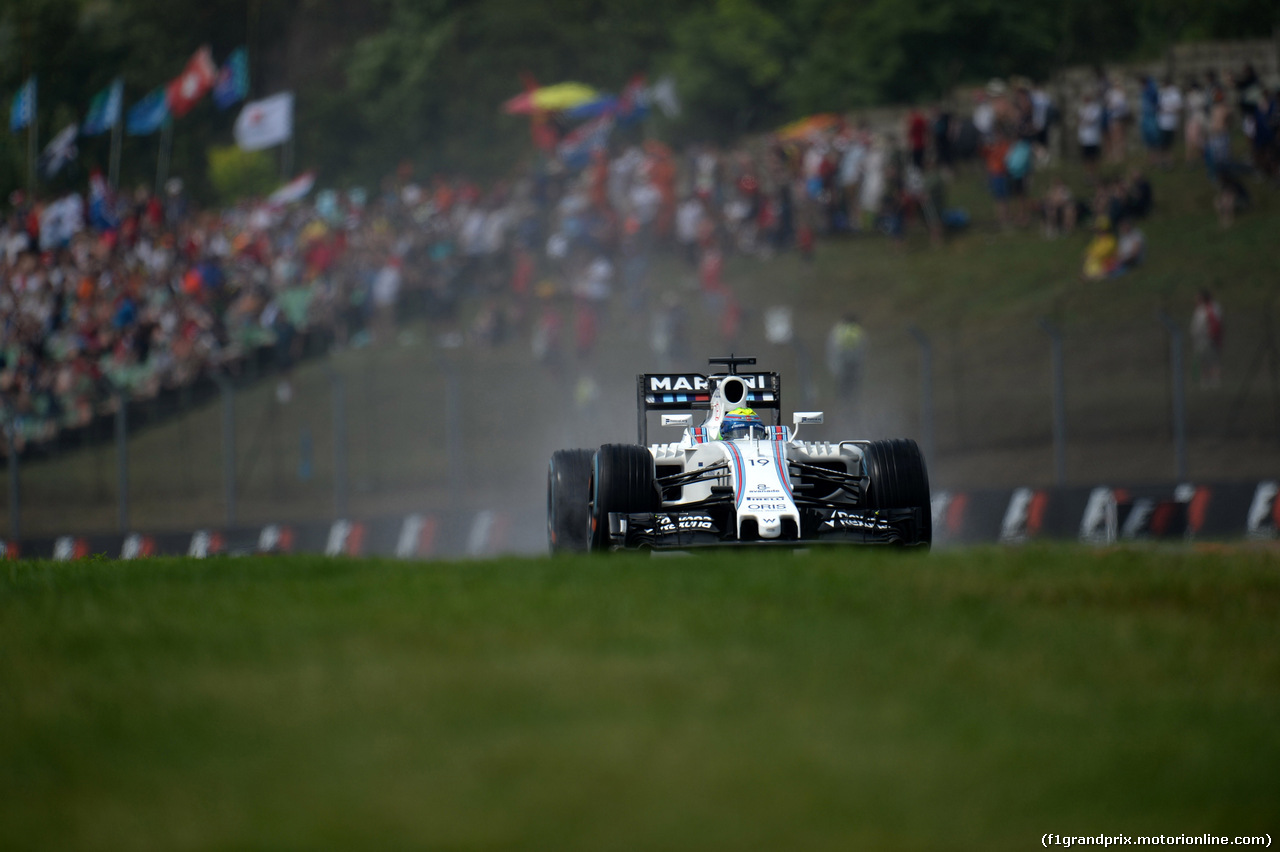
point(294, 190)
point(60, 151)
point(663, 93)
point(146, 116)
point(575, 149)
point(23, 110)
point(264, 123)
point(102, 214)
point(232, 85)
point(104, 110)
point(190, 86)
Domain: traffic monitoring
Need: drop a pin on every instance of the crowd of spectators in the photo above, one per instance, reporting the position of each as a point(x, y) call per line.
point(104, 298)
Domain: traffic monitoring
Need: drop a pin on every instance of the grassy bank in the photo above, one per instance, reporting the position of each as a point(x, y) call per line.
point(979, 298)
point(971, 699)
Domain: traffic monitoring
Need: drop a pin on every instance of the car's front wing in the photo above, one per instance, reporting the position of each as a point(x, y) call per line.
point(680, 530)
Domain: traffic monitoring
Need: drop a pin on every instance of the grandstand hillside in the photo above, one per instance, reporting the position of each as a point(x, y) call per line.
point(979, 298)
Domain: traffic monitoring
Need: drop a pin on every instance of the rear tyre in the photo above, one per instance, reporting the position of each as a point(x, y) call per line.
point(899, 480)
point(622, 480)
point(568, 477)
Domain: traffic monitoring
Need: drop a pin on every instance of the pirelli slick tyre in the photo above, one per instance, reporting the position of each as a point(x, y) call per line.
point(568, 477)
point(898, 480)
point(622, 480)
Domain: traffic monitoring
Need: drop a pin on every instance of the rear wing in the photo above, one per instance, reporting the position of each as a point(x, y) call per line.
point(692, 392)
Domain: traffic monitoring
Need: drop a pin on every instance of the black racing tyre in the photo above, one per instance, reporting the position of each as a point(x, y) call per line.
point(568, 477)
point(622, 480)
point(899, 480)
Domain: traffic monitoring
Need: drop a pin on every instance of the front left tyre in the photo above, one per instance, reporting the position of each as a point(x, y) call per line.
point(623, 479)
point(568, 477)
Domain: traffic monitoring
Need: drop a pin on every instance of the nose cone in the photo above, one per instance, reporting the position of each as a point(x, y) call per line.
point(770, 527)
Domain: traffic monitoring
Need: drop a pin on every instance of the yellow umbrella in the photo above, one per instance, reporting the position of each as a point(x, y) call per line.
point(563, 96)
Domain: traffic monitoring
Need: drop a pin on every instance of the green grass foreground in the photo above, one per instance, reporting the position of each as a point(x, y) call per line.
point(833, 700)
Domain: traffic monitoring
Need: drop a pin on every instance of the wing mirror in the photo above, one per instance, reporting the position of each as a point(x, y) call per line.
point(682, 420)
point(800, 418)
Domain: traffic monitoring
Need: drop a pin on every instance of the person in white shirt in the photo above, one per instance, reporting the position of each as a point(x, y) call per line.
point(1089, 130)
point(1119, 119)
point(689, 217)
point(1169, 117)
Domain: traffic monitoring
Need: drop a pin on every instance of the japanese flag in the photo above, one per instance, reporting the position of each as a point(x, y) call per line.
point(264, 123)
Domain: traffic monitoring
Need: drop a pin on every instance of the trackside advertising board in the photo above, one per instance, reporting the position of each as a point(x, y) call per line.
point(1092, 515)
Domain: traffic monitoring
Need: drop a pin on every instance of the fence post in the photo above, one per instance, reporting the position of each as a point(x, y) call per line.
point(15, 484)
point(228, 445)
point(1179, 412)
point(1059, 401)
point(453, 427)
point(122, 459)
point(926, 392)
point(339, 444)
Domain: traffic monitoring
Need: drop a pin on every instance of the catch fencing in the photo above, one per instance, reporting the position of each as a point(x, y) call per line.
point(414, 427)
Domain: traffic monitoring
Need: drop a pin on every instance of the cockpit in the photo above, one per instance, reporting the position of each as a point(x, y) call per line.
point(732, 430)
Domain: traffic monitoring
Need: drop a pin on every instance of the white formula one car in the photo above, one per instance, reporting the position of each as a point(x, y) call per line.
point(733, 480)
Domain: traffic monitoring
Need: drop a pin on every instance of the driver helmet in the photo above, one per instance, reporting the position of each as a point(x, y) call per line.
point(742, 423)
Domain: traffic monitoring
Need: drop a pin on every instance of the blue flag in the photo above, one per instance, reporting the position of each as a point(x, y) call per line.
point(148, 114)
point(232, 85)
point(104, 110)
point(23, 110)
point(102, 214)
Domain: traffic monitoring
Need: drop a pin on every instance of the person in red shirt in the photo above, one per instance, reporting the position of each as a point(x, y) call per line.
point(917, 137)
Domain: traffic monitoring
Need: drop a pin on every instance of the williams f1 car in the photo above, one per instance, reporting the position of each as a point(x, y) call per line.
point(733, 480)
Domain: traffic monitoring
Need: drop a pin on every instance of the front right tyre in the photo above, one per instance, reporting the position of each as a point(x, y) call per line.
point(899, 480)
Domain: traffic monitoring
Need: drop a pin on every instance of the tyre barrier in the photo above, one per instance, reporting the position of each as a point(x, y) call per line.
point(425, 536)
point(1107, 515)
point(1094, 515)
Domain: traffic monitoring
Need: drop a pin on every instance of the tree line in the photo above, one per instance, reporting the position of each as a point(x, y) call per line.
point(388, 82)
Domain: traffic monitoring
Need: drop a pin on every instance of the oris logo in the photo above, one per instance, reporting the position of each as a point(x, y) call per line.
point(767, 507)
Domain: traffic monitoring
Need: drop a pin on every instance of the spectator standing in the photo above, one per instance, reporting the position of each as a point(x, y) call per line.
point(872, 190)
point(995, 154)
point(1206, 340)
point(1150, 117)
point(917, 137)
point(1042, 116)
point(689, 218)
point(1089, 131)
point(1196, 123)
point(846, 344)
point(1119, 120)
point(1248, 92)
point(1020, 160)
point(1266, 128)
point(1218, 142)
point(984, 112)
point(851, 170)
point(1169, 117)
point(944, 158)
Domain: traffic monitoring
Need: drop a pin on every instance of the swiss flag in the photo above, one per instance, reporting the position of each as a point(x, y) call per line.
point(190, 86)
